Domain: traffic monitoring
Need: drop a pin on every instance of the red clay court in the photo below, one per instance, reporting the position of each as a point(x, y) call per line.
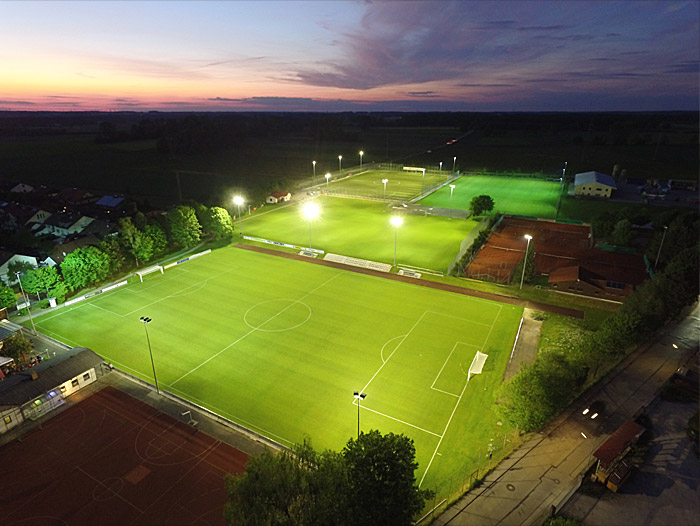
point(112, 459)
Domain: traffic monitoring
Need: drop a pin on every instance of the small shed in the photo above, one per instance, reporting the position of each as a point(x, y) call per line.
point(278, 197)
point(612, 469)
point(594, 184)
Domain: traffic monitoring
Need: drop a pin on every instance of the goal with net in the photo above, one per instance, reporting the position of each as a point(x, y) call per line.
point(148, 270)
point(477, 364)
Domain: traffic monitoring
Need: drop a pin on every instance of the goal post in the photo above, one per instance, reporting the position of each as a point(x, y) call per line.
point(477, 364)
point(148, 270)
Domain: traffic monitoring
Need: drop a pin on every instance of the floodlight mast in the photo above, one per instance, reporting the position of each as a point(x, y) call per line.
point(313, 180)
point(238, 200)
point(328, 176)
point(359, 397)
point(361, 154)
point(146, 321)
point(340, 163)
point(26, 300)
point(384, 181)
point(452, 189)
point(397, 222)
point(522, 278)
point(311, 212)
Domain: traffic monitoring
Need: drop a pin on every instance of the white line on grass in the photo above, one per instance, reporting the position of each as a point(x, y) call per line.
point(364, 407)
point(455, 407)
point(258, 328)
point(461, 319)
point(106, 310)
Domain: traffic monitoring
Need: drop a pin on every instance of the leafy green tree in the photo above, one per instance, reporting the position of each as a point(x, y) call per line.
point(59, 291)
point(383, 488)
point(48, 276)
point(111, 246)
point(184, 227)
point(131, 238)
point(160, 241)
point(220, 224)
point(623, 233)
point(31, 282)
point(8, 298)
point(15, 267)
point(84, 266)
point(15, 345)
point(293, 487)
point(142, 249)
point(481, 204)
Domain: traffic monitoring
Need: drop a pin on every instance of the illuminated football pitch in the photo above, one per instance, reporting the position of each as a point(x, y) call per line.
point(279, 346)
point(400, 185)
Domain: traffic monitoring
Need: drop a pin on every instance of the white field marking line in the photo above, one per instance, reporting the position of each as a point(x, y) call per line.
point(516, 340)
point(461, 319)
point(394, 351)
point(58, 336)
point(146, 288)
point(364, 407)
point(102, 308)
point(381, 352)
point(233, 418)
point(445, 363)
point(454, 409)
point(257, 328)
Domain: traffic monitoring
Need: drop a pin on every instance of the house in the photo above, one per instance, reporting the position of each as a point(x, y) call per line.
point(74, 196)
point(14, 216)
point(8, 258)
point(276, 197)
point(612, 469)
point(579, 280)
point(594, 184)
point(62, 224)
point(61, 250)
point(22, 188)
point(33, 393)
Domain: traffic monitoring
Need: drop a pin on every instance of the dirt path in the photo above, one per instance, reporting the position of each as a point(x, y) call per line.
point(574, 313)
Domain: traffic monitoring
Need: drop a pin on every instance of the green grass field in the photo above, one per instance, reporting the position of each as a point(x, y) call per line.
point(362, 229)
point(526, 197)
point(400, 185)
point(280, 345)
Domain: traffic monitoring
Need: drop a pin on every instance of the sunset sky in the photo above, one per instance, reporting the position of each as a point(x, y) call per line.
point(350, 55)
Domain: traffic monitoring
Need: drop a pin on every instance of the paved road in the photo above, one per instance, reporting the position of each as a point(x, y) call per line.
point(543, 473)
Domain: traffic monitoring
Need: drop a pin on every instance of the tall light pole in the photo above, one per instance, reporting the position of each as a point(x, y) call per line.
point(563, 171)
point(454, 163)
point(311, 212)
point(328, 176)
point(397, 222)
point(340, 163)
point(384, 181)
point(522, 278)
point(146, 321)
point(359, 397)
point(452, 189)
point(313, 180)
point(441, 166)
point(361, 154)
point(423, 181)
point(661, 245)
point(238, 200)
point(26, 301)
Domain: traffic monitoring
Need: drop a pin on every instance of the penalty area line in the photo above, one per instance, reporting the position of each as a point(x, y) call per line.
point(400, 421)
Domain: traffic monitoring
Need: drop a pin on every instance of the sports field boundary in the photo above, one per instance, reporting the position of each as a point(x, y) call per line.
point(536, 305)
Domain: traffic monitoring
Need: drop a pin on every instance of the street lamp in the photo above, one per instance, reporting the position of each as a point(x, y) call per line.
point(146, 321)
point(441, 166)
point(314, 177)
point(528, 237)
point(563, 172)
point(340, 163)
point(238, 200)
point(454, 163)
point(311, 212)
point(359, 397)
point(384, 181)
point(423, 181)
point(397, 222)
point(361, 154)
point(328, 176)
point(661, 245)
point(26, 301)
point(452, 189)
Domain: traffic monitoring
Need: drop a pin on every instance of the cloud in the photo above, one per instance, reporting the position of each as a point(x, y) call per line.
point(17, 102)
point(422, 94)
point(690, 66)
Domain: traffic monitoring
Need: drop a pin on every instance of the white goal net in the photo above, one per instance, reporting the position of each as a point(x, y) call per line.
point(477, 364)
point(144, 271)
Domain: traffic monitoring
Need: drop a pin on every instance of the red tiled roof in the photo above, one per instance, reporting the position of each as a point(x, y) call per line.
point(625, 436)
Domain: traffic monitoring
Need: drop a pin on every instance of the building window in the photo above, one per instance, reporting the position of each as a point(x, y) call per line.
point(74, 383)
point(8, 419)
point(86, 377)
point(63, 388)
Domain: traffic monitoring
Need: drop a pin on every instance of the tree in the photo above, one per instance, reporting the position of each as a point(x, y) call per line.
point(59, 291)
point(160, 241)
point(113, 248)
point(293, 487)
point(184, 227)
point(220, 223)
point(623, 233)
point(481, 204)
point(142, 247)
point(128, 234)
point(15, 345)
point(8, 298)
point(84, 266)
point(381, 471)
point(15, 267)
point(31, 282)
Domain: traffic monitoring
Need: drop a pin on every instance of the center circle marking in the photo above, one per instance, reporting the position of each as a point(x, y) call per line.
point(277, 315)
